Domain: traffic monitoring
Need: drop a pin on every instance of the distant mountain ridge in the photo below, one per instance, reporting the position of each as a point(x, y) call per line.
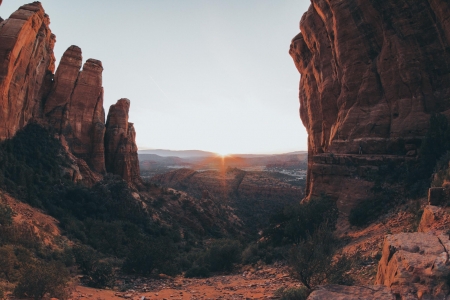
point(201, 153)
point(178, 153)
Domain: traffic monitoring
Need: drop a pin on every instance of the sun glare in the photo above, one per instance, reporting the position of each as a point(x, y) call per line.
point(222, 154)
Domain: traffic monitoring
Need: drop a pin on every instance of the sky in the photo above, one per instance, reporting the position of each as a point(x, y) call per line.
point(211, 75)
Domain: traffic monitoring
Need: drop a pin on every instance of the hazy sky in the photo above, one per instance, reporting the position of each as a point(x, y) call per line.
point(212, 75)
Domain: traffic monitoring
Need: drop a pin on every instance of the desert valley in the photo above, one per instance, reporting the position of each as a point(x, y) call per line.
point(362, 213)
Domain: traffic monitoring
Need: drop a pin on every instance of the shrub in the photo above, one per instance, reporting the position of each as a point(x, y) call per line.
point(197, 271)
point(370, 209)
point(41, 279)
point(262, 251)
point(6, 215)
point(300, 293)
point(99, 272)
point(150, 254)
point(295, 223)
point(312, 257)
point(8, 263)
point(223, 254)
point(338, 271)
point(101, 275)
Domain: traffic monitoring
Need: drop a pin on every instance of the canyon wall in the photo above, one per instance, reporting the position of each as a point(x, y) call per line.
point(69, 101)
point(372, 74)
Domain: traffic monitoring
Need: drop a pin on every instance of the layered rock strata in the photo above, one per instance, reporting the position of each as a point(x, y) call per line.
point(70, 101)
point(372, 73)
point(120, 144)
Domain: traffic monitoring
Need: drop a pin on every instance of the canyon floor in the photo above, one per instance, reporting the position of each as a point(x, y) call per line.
point(249, 283)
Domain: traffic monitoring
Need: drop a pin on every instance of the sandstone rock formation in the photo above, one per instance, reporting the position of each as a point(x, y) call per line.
point(339, 292)
point(372, 73)
point(120, 143)
point(415, 265)
point(26, 66)
point(70, 101)
point(75, 107)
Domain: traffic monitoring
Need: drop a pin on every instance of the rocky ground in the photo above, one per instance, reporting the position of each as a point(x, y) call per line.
point(249, 283)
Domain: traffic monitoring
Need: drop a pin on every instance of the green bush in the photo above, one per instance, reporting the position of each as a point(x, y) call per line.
point(295, 223)
point(41, 279)
point(369, 210)
point(6, 215)
point(300, 293)
point(99, 272)
point(101, 275)
point(148, 255)
point(8, 263)
point(197, 271)
point(223, 254)
point(262, 251)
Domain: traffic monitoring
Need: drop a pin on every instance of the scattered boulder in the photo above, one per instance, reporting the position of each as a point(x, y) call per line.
point(415, 265)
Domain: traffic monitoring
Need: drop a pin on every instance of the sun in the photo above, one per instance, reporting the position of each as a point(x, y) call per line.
point(222, 154)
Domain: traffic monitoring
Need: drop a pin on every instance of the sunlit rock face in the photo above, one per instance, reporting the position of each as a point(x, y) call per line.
point(120, 144)
point(69, 101)
point(75, 107)
point(372, 73)
point(26, 66)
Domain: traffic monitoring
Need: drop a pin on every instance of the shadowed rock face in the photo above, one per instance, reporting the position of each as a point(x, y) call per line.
point(372, 73)
point(120, 144)
point(26, 66)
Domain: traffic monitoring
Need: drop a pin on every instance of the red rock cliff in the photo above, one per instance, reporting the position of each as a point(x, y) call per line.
point(372, 73)
point(70, 101)
point(120, 144)
point(75, 107)
point(26, 66)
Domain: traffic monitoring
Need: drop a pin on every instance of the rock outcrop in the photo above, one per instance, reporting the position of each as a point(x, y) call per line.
point(75, 107)
point(372, 73)
point(70, 101)
point(26, 66)
point(120, 144)
point(415, 265)
point(339, 292)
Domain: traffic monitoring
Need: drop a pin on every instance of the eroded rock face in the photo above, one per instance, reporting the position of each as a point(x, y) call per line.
point(75, 107)
point(339, 292)
point(415, 265)
point(372, 73)
point(120, 144)
point(70, 101)
point(26, 66)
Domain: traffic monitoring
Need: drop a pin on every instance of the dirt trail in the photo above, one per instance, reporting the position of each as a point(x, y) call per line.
point(252, 284)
